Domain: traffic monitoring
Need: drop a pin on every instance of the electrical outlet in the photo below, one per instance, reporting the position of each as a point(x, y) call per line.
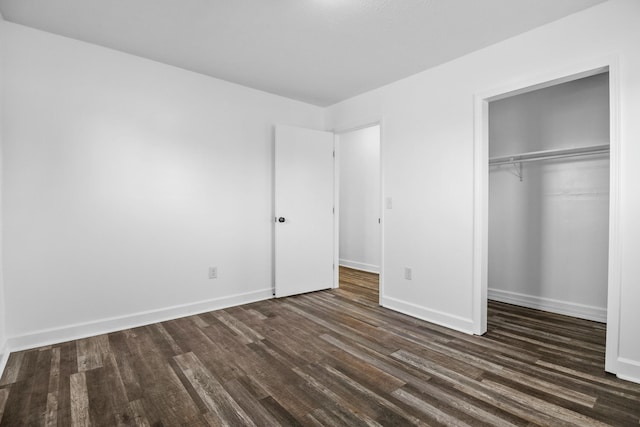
point(407, 273)
point(213, 272)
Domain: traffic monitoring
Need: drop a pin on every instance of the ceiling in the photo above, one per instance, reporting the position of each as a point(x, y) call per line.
point(316, 51)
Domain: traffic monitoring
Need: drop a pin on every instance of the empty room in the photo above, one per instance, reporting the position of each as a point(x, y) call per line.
point(320, 212)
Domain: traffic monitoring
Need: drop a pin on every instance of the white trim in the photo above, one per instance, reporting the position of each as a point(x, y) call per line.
point(552, 79)
point(614, 301)
point(582, 311)
point(83, 330)
point(381, 288)
point(628, 370)
point(358, 125)
point(336, 210)
point(480, 264)
point(360, 266)
point(433, 316)
point(480, 205)
point(272, 219)
point(351, 128)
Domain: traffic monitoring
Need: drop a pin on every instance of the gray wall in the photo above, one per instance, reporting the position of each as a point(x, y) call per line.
point(3, 337)
point(548, 235)
point(360, 199)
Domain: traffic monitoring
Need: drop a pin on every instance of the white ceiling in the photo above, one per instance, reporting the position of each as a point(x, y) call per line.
point(317, 51)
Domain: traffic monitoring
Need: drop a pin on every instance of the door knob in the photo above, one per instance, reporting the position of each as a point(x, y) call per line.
point(281, 219)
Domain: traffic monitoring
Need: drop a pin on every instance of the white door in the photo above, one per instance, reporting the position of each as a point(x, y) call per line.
point(304, 222)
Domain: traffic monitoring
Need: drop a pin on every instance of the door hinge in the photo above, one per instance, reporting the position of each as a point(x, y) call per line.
point(334, 154)
point(333, 210)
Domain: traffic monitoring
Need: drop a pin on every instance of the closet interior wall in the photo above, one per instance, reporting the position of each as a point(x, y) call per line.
point(548, 233)
point(359, 163)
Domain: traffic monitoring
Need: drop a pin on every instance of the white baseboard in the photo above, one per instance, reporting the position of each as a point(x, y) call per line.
point(628, 370)
point(359, 266)
point(439, 318)
point(581, 311)
point(103, 326)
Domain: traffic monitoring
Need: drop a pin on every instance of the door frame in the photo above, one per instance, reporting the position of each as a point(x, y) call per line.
point(337, 132)
point(481, 180)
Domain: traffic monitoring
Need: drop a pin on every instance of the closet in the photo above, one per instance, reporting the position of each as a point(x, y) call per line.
point(549, 198)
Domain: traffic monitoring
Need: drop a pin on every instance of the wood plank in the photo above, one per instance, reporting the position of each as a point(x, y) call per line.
point(212, 393)
point(250, 404)
point(429, 410)
point(16, 408)
point(4, 395)
point(139, 416)
point(54, 372)
point(247, 334)
point(39, 387)
point(107, 395)
point(386, 411)
point(68, 367)
point(543, 406)
point(51, 416)
point(164, 340)
point(79, 400)
point(91, 352)
point(12, 369)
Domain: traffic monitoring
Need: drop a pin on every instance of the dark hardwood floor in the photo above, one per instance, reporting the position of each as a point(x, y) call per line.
point(325, 358)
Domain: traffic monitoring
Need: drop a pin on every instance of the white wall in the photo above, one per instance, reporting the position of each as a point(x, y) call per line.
point(548, 235)
point(125, 179)
point(3, 335)
point(428, 142)
point(359, 157)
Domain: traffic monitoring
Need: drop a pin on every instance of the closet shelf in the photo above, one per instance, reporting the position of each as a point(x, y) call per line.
point(549, 155)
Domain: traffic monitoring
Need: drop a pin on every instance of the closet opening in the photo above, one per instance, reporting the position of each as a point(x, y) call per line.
point(359, 213)
point(549, 204)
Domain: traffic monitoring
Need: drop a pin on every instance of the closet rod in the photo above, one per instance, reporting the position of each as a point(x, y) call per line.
point(550, 154)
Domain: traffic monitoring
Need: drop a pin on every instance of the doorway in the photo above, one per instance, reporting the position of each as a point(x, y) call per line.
point(481, 203)
point(359, 209)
